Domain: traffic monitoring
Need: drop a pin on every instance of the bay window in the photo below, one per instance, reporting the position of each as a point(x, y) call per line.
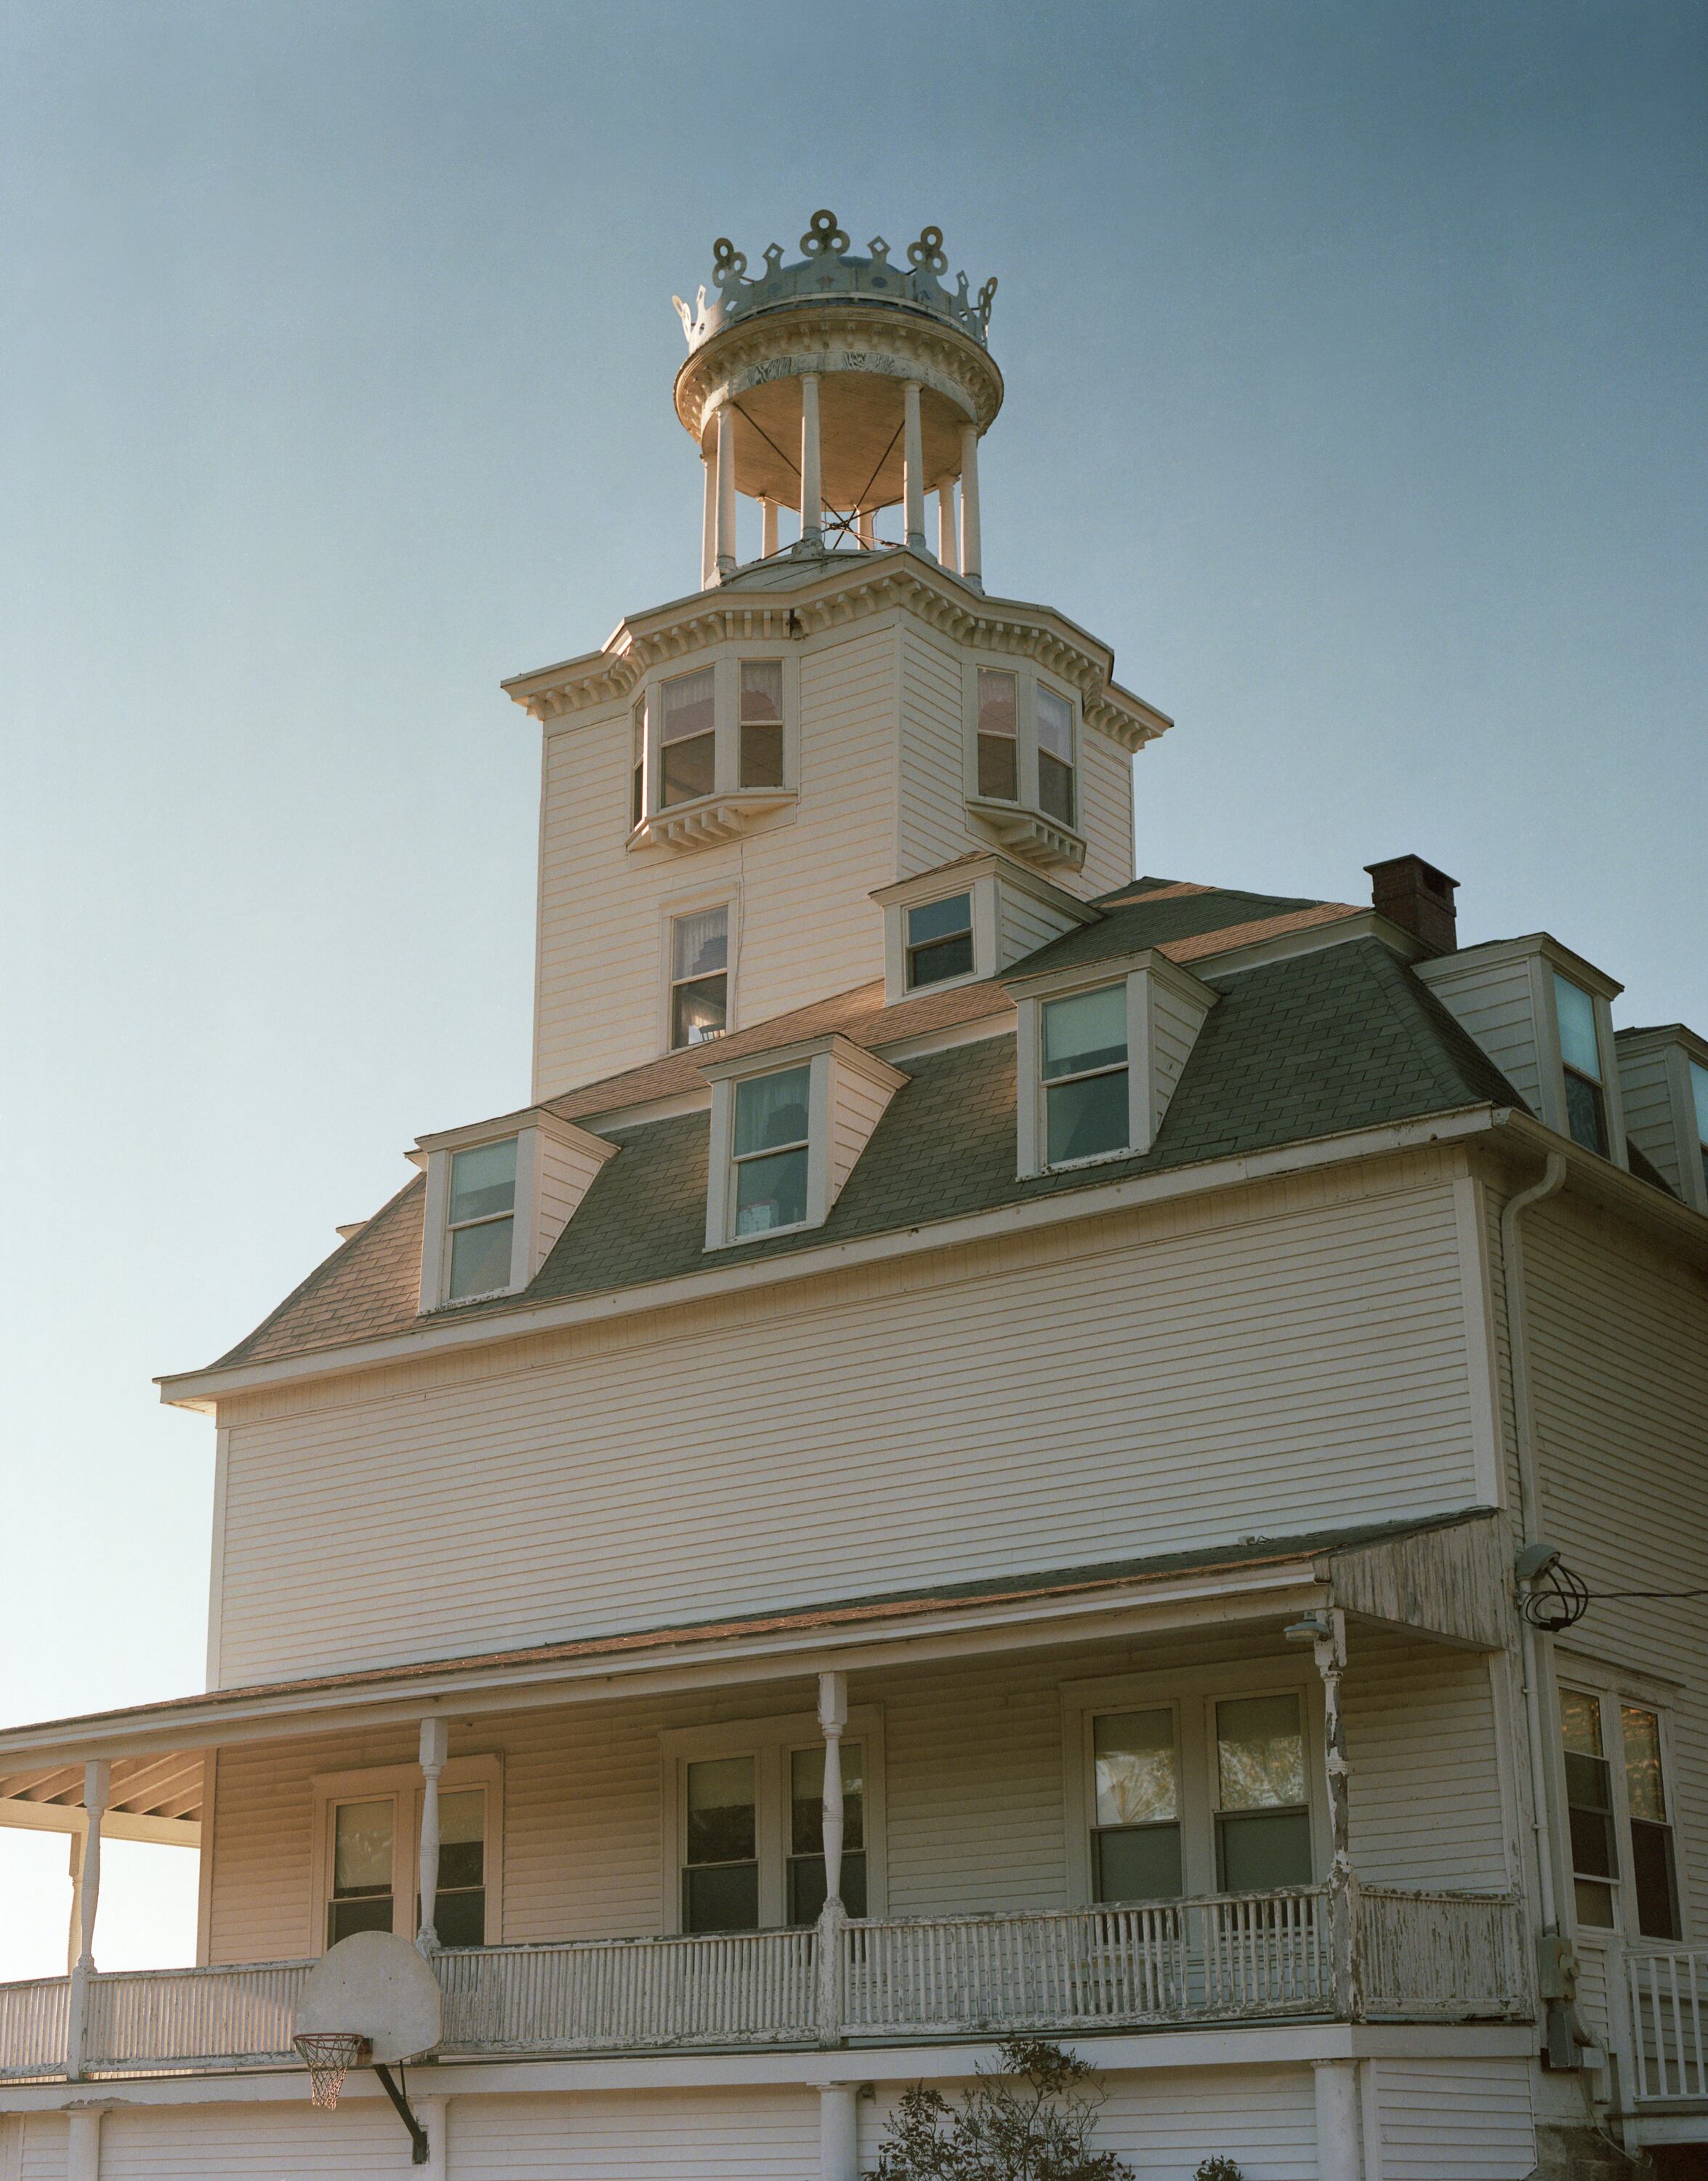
point(999, 734)
point(1085, 1074)
point(1055, 784)
point(480, 1222)
point(1580, 1054)
point(711, 752)
point(759, 720)
point(688, 737)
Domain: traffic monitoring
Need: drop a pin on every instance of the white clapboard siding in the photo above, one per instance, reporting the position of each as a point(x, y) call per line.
point(1024, 923)
point(1165, 2122)
point(948, 1420)
point(42, 2141)
point(933, 821)
point(1495, 1001)
point(1105, 814)
point(1649, 1101)
point(728, 2135)
point(363, 2140)
point(857, 1104)
point(807, 928)
point(1453, 2120)
point(974, 1811)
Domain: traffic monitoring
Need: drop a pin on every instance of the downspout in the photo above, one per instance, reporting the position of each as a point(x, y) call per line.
point(1523, 1433)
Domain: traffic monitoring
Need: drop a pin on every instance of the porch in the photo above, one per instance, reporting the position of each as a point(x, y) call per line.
point(1343, 1952)
point(1657, 2005)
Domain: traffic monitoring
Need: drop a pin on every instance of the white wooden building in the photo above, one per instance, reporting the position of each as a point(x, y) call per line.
point(1111, 1370)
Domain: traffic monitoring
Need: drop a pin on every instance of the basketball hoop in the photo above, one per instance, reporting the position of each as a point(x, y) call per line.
point(329, 2055)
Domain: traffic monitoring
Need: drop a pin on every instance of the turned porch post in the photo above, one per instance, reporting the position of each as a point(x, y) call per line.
point(97, 1781)
point(1329, 1649)
point(434, 1735)
point(833, 1718)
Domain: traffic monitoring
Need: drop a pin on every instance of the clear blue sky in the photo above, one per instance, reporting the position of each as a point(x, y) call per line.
point(1354, 362)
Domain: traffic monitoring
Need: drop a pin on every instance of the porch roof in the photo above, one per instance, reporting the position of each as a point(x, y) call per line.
point(1442, 1577)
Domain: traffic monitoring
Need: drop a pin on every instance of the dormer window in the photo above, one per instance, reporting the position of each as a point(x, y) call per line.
point(1085, 1074)
point(480, 1222)
point(1055, 795)
point(1586, 1103)
point(769, 1155)
point(999, 734)
point(699, 976)
point(940, 941)
point(760, 721)
point(688, 737)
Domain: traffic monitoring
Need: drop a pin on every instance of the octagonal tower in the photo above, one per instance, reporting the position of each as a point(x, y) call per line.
point(839, 386)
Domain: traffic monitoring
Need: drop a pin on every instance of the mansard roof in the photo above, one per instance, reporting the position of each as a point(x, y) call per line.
point(1317, 1044)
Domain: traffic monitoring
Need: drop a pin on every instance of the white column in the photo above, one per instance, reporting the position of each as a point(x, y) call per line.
point(727, 492)
point(434, 1735)
point(431, 2114)
point(1339, 2157)
point(83, 2147)
point(97, 1781)
point(1330, 1652)
point(913, 467)
point(73, 1934)
point(768, 528)
point(863, 528)
point(839, 2132)
point(972, 555)
point(708, 523)
point(833, 1718)
point(946, 523)
point(812, 473)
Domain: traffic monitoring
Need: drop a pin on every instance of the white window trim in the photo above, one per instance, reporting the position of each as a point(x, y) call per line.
point(728, 807)
point(768, 1742)
point(579, 1155)
point(1028, 802)
point(992, 878)
point(402, 1784)
point(692, 901)
point(1544, 965)
point(1610, 1690)
point(1193, 1692)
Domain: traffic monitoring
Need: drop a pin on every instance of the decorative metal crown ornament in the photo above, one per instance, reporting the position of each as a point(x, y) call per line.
point(828, 271)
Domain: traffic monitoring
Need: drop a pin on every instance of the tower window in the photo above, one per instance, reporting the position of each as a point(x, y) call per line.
point(940, 941)
point(1586, 1103)
point(699, 976)
point(688, 737)
point(999, 734)
point(1085, 1067)
point(482, 1219)
point(637, 794)
point(1055, 796)
point(761, 723)
point(770, 1151)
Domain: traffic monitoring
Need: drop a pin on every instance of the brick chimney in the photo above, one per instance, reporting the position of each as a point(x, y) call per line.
point(1420, 899)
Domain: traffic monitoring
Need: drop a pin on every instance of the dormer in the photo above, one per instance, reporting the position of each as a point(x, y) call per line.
point(1663, 1088)
point(1099, 1048)
point(787, 1127)
point(498, 1195)
point(968, 921)
point(1542, 1014)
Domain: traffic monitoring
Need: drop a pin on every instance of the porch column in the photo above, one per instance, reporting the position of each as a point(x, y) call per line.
point(812, 475)
point(83, 2149)
point(863, 528)
point(433, 2117)
point(97, 1780)
point(913, 467)
point(768, 528)
point(946, 523)
point(708, 522)
point(839, 2131)
point(833, 1717)
point(727, 492)
point(1329, 1648)
point(1339, 2153)
point(972, 552)
point(434, 1734)
point(74, 1933)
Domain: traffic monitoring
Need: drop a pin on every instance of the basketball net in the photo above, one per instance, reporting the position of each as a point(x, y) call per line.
point(329, 2055)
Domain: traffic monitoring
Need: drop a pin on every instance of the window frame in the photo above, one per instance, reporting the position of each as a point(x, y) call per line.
point(725, 662)
point(1028, 680)
point(454, 1227)
point(770, 1742)
point(1048, 1084)
point(674, 911)
point(1194, 1693)
point(1613, 1693)
point(1549, 962)
point(911, 946)
point(403, 1785)
point(801, 1144)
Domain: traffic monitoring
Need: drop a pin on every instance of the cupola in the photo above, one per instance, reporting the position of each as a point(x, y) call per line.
point(839, 386)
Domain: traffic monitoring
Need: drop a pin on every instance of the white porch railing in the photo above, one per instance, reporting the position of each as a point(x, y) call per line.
point(1341, 1952)
point(1666, 2050)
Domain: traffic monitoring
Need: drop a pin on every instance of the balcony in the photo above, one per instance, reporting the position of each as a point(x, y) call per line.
point(1352, 1953)
point(1659, 2028)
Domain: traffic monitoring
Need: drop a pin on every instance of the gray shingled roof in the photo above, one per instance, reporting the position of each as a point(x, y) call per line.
point(1315, 1044)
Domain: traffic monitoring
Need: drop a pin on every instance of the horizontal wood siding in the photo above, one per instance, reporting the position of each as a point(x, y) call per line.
point(1105, 814)
point(1454, 2120)
point(858, 1107)
point(745, 2135)
point(1496, 1002)
point(933, 803)
point(363, 2140)
point(1425, 1789)
point(1131, 1386)
point(1024, 924)
point(1645, 1097)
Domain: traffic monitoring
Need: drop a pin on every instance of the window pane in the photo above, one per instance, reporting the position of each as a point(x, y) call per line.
point(688, 769)
point(1055, 789)
point(483, 1181)
point(998, 768)
point(720, 1810)
point(1580, 1722)
point(1645, 1791)
point(480, 1258)
point(941, 959)
point(362, 1911)
point(723, 1898)
point(771, 1192)
point(998, 709)
point(1054, 725)
point(999, 730)
point(1655, 1881)
point(685, 705)
point(460, 1918)
point(462, 1838)
point(1259, 1754)
point(1579, 1047)
point(1134, 1755)
point(1699, 1092)
point(762, 756)
point(806, 1887)
point(1586, 1112)
point(1087, 1118)
point(1140, 1865)
point(936, 919)
point(361, 1848)
point(771, 1110)
point(1592, 1838)
point(806, 1792)
point(1594, 1904)
point(699, 1010)
point(762, 692)
point(1258, 1853)
point(1088, 1029)
point(700, 943)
